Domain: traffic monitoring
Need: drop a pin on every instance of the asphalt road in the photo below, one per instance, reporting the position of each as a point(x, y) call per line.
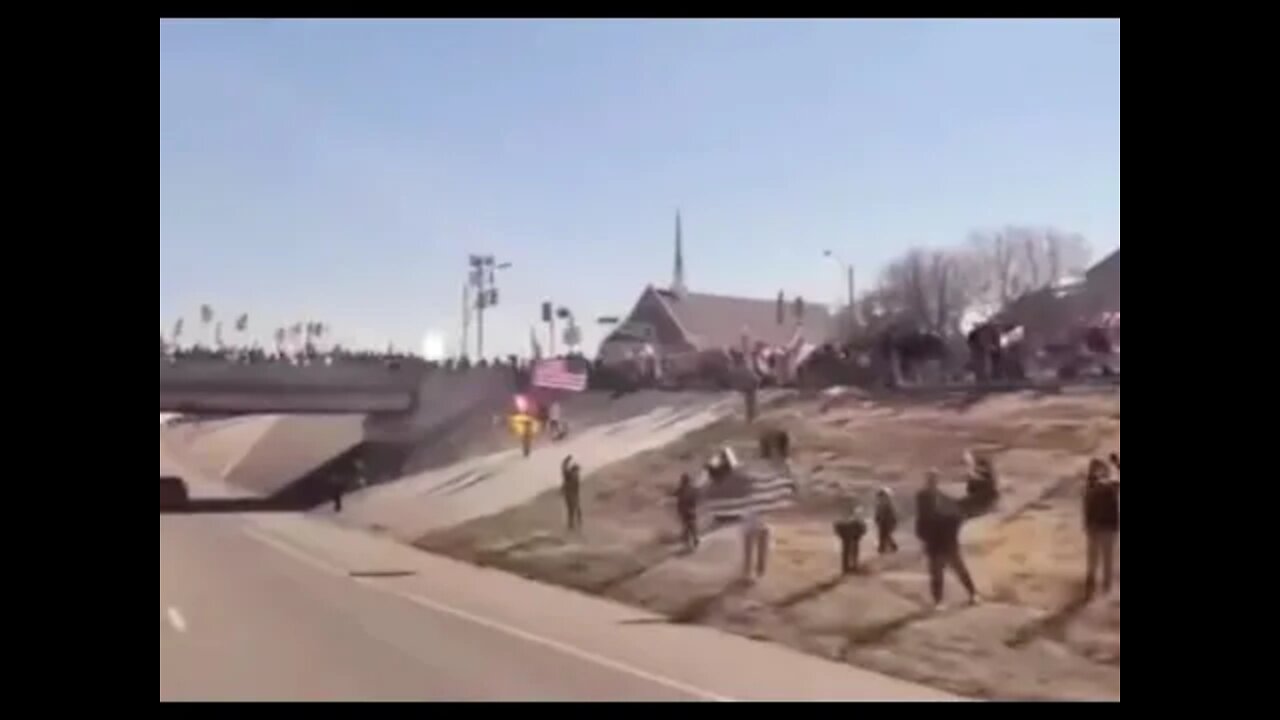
point(240, 620)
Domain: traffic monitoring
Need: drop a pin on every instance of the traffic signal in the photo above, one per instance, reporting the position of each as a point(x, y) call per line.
point(546, 312)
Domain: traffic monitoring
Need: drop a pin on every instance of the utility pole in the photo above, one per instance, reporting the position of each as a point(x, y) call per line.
point(480, 305)
point(466, 319)
point(482, 279)
point(851, 309)
point(549, 317)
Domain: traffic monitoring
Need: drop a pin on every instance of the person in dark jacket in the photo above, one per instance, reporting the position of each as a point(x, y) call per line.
point(687, 511)
point(850, 531)
point(782, 445)
point(775, 445)
point(981, 490)
point(886, 518)
point(938, 521)
point(1101, 525)
point(570, 489)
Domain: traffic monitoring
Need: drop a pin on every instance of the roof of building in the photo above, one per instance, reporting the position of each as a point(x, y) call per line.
point(1052, 309)
point(719, 320)
point(1108, 266)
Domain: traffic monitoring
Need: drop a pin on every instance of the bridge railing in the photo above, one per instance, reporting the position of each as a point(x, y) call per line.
point(195, 374)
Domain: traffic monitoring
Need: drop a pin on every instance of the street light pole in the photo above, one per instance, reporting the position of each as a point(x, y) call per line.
point(483, 271)
point(851, 306)
point(466, 319)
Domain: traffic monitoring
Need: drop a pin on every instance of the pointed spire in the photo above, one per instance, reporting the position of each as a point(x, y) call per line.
point(677, 281)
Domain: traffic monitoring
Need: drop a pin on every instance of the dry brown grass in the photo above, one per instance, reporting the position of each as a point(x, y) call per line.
point(1032, 638)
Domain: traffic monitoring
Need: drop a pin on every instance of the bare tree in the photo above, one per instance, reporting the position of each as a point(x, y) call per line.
point(930, 288)
point(997, 256)
point(1016, 260)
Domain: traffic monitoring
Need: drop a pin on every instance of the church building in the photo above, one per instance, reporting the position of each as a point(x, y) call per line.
point(673, 321)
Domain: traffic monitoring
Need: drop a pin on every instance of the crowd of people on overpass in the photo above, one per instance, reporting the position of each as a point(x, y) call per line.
point(311, 355)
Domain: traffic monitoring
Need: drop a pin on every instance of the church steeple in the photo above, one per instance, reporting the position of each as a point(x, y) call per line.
point(677, 280)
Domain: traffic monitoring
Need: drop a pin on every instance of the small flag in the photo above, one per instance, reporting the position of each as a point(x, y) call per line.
point(535, 348)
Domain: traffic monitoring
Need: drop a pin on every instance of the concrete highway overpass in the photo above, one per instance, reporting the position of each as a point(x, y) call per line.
point(218, 386)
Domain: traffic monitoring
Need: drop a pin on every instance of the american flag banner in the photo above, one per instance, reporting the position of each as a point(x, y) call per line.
point(744, 492)
point(560, 374)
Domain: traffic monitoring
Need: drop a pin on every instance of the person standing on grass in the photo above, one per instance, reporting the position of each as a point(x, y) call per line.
point(886, 518)
point(938, 521)
point(1101, 525)
point(687, 511)
point(755, 546)
point(570, 489)
point(850, 531)
point(981, 489)
point(555, 421)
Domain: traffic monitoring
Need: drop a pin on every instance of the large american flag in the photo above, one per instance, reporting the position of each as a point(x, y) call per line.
point(560, 374)
point(744, 493)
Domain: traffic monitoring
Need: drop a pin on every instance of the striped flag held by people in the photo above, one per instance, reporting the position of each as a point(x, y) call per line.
point(740, 491)
point(753, 495)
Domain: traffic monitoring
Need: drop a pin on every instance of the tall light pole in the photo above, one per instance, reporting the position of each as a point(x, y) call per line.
point(466, 319)
point(483, 279)
point(551, 311)
point(848, 273)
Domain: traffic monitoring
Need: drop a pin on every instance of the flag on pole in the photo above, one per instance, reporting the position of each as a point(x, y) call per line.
point(535, 348)
point(560, 374)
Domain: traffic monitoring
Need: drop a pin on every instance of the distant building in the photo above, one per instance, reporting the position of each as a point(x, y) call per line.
point(1053, 313)
point(676, 322)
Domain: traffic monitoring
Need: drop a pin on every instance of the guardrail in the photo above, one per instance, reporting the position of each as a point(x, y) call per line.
point(193, 374)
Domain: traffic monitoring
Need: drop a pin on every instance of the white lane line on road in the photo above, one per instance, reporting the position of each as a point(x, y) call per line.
point(494, 625)
point(176, 620)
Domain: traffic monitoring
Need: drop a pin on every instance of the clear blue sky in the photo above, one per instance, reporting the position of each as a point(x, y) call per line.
point(342, 170)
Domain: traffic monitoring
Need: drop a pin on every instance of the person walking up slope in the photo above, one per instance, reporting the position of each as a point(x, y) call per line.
point(687, 511)
point(850, 531)
point(886, 521)
point(1101, 525)
point(571, 489)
